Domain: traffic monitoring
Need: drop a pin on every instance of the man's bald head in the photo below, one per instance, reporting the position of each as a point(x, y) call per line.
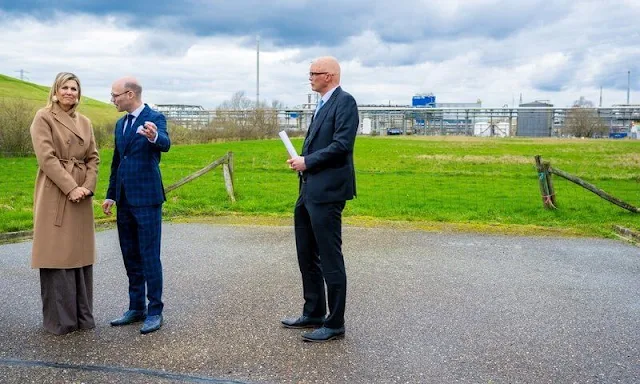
point(329, 64)
point(126, 94)
point(129, 83)
point(324, 74)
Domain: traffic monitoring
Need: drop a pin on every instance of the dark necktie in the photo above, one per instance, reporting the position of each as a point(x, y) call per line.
point(128, 123)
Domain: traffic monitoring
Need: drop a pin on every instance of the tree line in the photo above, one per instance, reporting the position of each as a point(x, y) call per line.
point(236, 119)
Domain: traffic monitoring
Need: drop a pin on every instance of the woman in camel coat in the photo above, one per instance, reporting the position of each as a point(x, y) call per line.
point(63, 236)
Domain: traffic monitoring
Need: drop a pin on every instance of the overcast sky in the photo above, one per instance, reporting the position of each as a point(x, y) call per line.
point(201, 52)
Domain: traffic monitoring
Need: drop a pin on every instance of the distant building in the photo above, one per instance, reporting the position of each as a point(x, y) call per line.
point(424, 100)
point(189, 116)
point(477, 104)
point(535, 122)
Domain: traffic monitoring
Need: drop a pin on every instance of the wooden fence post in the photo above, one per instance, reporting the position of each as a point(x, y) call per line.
point(230, 157)
point(544, 184)
point(546, 166)
point(227, 173)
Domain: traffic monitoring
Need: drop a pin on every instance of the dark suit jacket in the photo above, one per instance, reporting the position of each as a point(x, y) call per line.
point(136, 160)
point(328, 150)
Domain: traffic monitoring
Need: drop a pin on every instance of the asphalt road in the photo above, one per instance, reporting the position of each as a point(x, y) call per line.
point(422, 307)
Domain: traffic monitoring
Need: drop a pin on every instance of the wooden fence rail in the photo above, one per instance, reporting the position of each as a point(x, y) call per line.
point(227, 172)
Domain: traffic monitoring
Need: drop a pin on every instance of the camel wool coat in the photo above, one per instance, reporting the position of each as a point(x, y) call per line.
point(63, 231)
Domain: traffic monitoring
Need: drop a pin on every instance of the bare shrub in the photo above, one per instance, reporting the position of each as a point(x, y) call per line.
point(239, 119)
point(103, 133)
point(182, 135)
point(235, 119)
point(16, 116)
point(585, 122)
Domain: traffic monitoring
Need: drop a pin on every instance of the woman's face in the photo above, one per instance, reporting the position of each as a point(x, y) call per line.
point(67, 94)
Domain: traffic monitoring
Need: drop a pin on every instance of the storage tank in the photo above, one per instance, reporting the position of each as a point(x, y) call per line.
point(535, 122)
point(366, 126)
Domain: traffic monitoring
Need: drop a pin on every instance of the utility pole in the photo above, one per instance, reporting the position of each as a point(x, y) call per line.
point(600, 97)
point(628, 86)
point(257, 71)
point(22, 72)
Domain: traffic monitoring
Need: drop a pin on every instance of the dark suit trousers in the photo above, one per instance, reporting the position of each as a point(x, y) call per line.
point(318, 230)
point(139, 231)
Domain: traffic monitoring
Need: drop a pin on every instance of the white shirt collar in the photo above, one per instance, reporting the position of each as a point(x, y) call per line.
point(137, 111)
point(327, 95)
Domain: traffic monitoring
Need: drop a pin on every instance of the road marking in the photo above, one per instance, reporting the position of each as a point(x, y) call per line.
point(110, 369)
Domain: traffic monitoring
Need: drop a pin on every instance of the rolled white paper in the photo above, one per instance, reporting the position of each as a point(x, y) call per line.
point(287, 144)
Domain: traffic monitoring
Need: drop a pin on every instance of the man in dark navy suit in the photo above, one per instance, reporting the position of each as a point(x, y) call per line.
point(135, 186)
point(327, 181)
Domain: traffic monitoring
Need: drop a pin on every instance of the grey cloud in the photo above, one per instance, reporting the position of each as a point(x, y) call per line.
point(297, 24)
point(161, 43)
point(614, 75)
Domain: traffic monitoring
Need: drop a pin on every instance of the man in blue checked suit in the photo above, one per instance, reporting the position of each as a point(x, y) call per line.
point(327, 181)
point(135, 187)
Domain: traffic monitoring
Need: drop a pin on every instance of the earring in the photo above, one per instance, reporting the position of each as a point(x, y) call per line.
point(54, 98)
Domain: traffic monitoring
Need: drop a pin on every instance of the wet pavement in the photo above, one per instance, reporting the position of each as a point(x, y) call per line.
point(422, 307)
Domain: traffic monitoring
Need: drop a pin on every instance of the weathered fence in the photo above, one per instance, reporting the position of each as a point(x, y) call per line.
point(548, 192)
point(227, 172)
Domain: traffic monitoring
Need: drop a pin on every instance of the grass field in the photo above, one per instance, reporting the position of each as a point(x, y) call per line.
point(97, 111)
point(416, 182)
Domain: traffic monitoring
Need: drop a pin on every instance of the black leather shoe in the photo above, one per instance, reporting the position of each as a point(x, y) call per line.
point(129, 317)
point(151, 324)
point(323, 334)
point(303, 322)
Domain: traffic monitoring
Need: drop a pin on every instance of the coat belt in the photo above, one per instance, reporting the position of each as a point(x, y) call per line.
point(68, 165)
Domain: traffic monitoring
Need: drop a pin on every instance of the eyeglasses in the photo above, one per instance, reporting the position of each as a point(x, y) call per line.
point(115, 96)
point(311, 74)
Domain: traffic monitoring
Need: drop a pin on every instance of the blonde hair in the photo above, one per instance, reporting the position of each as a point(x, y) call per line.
point(62, 78)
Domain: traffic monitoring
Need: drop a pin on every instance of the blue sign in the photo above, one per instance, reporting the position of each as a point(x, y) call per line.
point(424, 101)
point(617, 135)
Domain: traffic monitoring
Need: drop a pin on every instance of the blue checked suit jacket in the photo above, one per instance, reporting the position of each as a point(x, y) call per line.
point(135, 165)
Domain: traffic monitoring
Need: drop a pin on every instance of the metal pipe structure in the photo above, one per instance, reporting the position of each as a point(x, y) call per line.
point(423, 121)
point(628, 86)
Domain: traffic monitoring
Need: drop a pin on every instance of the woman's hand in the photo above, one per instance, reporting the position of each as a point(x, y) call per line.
point(76, 194)
point(87, 192)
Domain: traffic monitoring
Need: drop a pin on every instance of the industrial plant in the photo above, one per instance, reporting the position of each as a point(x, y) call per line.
point(426, 116)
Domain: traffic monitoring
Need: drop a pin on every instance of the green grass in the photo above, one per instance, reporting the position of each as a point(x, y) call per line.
point(459, 183)
point(97, 111)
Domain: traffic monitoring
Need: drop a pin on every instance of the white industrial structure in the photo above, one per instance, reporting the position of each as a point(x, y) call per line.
point(378, 120)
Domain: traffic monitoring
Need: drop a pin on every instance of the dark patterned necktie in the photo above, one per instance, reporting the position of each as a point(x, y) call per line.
point(128, 123)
